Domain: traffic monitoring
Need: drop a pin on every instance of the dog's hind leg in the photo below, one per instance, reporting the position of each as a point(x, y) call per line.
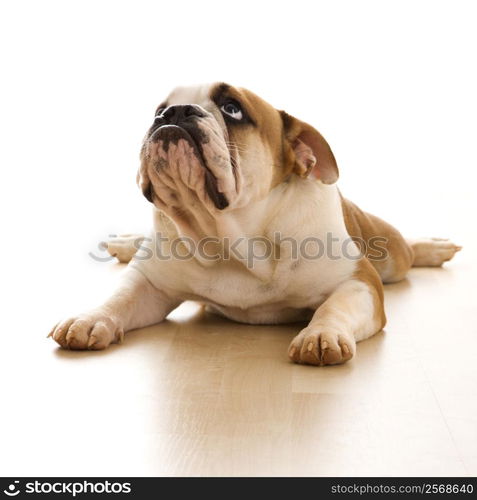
point(432, 252)
point(396, 254)
point(124, 246)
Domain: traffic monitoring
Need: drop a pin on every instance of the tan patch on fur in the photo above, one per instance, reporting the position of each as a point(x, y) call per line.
point(366, 273)
point(365, 226)
point(269, 127)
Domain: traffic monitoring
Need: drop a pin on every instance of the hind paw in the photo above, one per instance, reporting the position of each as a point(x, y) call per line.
point(124, 246)
point(433, 251)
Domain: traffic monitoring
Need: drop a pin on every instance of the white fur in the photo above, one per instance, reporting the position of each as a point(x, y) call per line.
point(265, 293)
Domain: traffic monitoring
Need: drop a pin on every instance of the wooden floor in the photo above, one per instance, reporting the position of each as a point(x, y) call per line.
point(202, 396)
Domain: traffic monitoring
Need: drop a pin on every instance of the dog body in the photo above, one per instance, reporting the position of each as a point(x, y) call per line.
point(271, 290)
point(252, 190)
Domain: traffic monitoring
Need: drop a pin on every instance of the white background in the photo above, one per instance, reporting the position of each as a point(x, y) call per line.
point(390, 84)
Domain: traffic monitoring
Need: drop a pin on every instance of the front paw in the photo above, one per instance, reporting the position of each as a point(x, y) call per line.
point(87, 331)
point(316, 346)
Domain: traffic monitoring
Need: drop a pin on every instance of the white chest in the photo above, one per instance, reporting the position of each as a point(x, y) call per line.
point(315, 256)
point(297, 283)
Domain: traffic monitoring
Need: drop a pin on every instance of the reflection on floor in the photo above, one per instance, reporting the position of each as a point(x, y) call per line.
point(200, 395)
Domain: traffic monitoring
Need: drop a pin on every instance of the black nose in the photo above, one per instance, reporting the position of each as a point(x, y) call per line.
point(180, 112)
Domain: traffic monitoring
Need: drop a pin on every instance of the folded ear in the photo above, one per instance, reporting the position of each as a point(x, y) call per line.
point(312, 154)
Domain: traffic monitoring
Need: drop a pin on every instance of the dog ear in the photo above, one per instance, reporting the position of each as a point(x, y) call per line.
point(312, 155)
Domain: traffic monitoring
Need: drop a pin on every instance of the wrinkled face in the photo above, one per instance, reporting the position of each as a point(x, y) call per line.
point(217, 147)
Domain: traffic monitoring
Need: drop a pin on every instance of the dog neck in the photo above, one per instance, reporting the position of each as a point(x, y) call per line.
point(313, 205)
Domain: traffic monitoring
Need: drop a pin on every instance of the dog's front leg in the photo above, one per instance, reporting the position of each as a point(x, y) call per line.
point(353, 312)
point(136, 303)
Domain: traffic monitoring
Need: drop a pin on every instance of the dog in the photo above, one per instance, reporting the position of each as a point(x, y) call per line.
point(231, 175)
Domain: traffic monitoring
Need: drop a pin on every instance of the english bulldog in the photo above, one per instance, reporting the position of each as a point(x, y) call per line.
point(252, 191)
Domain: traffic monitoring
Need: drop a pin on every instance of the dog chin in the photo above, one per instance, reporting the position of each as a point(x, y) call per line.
point(176, 162)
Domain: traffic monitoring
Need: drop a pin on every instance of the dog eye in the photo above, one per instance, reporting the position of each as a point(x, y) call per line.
point(233, 110)
point(159, 111)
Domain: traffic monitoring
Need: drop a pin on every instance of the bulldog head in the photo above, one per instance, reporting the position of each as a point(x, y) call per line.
point(218, 148)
